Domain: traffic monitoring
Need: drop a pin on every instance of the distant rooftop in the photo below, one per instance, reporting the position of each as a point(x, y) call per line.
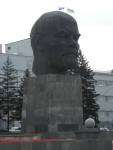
point(103, 72)
point(18, 41)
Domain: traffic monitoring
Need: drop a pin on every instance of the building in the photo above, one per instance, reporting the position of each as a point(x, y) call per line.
point(104, 87)
point(20, 62)
point(22, 47)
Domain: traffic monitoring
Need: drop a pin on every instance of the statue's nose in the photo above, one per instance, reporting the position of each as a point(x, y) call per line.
point(73, 43)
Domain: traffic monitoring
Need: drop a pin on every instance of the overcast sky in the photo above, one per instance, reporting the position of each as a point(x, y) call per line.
point(94, 17)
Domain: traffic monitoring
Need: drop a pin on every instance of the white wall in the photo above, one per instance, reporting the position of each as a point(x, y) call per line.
point(21, 63)
point(104, 87)
point(22, 47)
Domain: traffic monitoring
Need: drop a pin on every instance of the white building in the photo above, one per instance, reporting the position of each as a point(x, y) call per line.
point(22, 47)
point(104, 87)
point(20, 62)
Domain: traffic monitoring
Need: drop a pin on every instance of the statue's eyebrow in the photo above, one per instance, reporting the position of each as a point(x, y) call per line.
point(62, 30)
point(78, 35)
point(67, 32)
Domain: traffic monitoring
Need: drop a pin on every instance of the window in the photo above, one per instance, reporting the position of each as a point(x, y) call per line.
point(9, 48)
point(107, 113)
point(109, 83)
point(97, 99)
point(106, 98)
point(104, 83)
point(111, 114)
point(101, 98)
point(101, 113)
point(100, 83)
point(109, 98)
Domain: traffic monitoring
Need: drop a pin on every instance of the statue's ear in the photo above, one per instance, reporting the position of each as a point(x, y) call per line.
point(36, 43)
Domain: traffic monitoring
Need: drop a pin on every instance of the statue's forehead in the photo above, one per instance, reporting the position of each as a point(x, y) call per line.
point(56, 25)
point(57, 18)
point(49, 22)
point(58, 22)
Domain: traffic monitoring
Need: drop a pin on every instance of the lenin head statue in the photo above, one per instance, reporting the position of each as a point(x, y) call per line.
point(54, 40)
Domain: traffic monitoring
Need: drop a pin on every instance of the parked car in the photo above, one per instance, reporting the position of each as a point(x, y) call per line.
point(15, 130)
point(104, 129)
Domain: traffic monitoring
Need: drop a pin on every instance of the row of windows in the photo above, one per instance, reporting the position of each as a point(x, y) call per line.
point(105, 113)
point(104, 83)
point(102, 98)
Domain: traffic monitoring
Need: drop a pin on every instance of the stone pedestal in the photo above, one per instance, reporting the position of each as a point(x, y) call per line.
point(52, 103)
point(52, 117)
point(86, 140)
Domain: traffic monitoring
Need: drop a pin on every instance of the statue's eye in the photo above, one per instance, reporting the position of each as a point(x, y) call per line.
point(62, 34)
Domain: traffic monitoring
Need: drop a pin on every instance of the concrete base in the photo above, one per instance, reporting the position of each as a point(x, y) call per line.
point(59, 145)
point(52, 103)
point(63, 141)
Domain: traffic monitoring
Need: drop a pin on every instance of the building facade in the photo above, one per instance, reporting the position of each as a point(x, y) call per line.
point(20, 62)
point(22, 47)
point(104, 87)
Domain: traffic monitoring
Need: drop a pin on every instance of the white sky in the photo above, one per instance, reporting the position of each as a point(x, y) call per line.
point(94, 17)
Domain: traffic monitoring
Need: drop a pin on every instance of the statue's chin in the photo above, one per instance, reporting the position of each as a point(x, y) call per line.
point(71, 64)
point(67, 66)
point(59, 66)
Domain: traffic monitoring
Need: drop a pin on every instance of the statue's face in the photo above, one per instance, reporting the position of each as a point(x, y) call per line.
point(59, 42)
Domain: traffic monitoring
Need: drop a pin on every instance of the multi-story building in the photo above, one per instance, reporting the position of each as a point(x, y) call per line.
point(20, 62)
point(104, 87)
point(22, 47)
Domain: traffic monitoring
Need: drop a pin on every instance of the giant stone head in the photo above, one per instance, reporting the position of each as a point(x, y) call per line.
point(54, 40)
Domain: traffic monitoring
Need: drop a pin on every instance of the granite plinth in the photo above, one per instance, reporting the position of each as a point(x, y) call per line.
point(52, 103)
